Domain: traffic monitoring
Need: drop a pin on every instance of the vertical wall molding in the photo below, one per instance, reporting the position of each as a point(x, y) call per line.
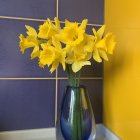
point(56, 86)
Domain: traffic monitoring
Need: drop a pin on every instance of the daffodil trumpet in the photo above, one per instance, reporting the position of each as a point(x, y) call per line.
point(70, 46)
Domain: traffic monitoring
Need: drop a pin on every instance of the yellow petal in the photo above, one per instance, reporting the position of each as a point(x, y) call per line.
point(69, 60)
point(100, 32)
point(68, 48)
point(76, 66)
point(110, 43)
point(43, 30)
point(79, 56)
point(61, 58)
point(96, 55)
point(101, 44)
point(24, 43)
point(56, 43)
point(89, 43)
point(103, 54)
point(94, 31)
point(57, 23)
point(54, 66)
point(31, 31)
point(35, 52)
point(47, 55)
point(63, 65)
point(67, 23)
point(88, 56)
point(84, 24)
point(33, 40)
point(83, 63)
point(40, 64)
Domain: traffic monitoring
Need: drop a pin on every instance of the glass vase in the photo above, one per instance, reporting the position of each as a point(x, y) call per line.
point(76, 120)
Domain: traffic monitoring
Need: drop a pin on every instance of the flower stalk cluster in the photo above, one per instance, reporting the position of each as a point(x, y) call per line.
point(69, 46)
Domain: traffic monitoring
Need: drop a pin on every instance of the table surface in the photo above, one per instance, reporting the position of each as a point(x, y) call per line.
point(102, 133)
point(99, 136)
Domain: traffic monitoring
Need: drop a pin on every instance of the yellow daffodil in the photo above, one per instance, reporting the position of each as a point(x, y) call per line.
point(86, 45)
point(98, 54)
point(102, 45)
point(70, 45)
point(30, 41)
point(109, 42)
point(48, 29)
point(52, 55)
point(47, 55)
point(78, 60)
point(72, 34)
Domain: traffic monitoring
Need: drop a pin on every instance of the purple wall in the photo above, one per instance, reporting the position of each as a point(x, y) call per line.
point(30, 103)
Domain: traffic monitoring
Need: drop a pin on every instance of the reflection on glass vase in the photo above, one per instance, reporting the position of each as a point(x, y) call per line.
point(76, 120)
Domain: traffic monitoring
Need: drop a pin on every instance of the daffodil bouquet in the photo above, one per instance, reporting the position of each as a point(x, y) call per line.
point(69, 46)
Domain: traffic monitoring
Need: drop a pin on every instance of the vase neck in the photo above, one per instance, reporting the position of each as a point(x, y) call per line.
point(76, 87)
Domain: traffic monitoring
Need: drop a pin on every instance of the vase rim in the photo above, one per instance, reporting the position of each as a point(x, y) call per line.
point(80, 86)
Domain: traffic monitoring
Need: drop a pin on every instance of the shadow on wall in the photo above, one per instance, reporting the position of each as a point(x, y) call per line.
point(113, 69)
point(115, 66)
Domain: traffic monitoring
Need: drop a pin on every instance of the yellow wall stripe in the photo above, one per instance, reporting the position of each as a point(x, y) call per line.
point(122, 73)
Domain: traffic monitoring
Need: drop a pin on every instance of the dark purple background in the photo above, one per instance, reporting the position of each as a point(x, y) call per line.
point(28, 104)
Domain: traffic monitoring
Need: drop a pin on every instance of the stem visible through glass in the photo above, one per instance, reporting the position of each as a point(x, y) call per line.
point(73, 78)
point(74, 81)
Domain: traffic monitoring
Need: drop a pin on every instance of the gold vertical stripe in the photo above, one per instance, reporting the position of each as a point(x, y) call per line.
point(56, 95)
point(56, 84)
point(57, 8)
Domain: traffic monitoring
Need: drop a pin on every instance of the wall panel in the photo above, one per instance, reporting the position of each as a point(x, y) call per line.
point(26, 104)
point(28, 8)
point(77, 10)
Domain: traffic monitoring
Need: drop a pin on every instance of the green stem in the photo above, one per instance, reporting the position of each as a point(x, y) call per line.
point(73, 78)
point(79, 123)
point(70, 75)
point(78, 78)
point(77, 117)
point(74, 81)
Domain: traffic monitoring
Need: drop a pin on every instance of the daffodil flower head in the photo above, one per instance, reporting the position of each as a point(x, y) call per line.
point(48, 29)
point(60, 54)
point(72, 34)
point(78, 60)
point(99, 34)
point(30, 41)
point(110, 42)
point(103, 45)
point(52, 55)
point(47, 55)
point(86, 45)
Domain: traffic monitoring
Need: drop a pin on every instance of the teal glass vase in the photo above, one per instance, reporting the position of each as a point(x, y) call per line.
point(76, 119)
